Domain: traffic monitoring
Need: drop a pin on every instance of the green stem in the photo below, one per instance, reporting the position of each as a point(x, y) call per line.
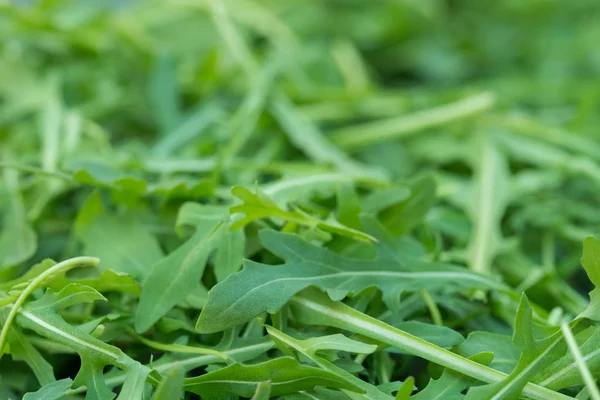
point(177, 348)
point(356, 136)
point(314, 307)
point(584, 370)
point(35, 283)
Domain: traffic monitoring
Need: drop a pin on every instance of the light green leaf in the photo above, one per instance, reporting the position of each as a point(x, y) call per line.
point(124, 187)
point(163, 93)
point(193, 214)
point(18, 240)
point(52, 391)
point(107, 281)
point(175, 276)
point(90, 375)
point(31, 273)
point(187, 129)
point(73, 293)
point(406, 212)
point(258, 206)
point(285, 373)
point(122, 242)
point(406, 389)
point(506, 354)
point(171, 386)
point(230, 252)
point(135, 379)
point(591, 263)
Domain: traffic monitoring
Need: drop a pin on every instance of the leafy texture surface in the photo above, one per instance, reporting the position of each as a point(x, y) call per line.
point(299, 200)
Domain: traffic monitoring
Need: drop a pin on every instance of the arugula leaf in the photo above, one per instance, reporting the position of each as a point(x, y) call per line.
point(135, 379)
point(591, 263)
point(170, 387)
point(18, 240)
point(258, 288)
point(173, 277)
point(51, 391)
point(21, 349)
point(285, 373)
point(535, 355)
point(257, 206)
point(451, 384)
point(121, 241)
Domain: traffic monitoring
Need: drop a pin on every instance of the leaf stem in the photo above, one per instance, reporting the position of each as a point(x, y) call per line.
point(580, 361)
point(317, 308)
point(177, 348)
point(35, 283)
point(355, 136)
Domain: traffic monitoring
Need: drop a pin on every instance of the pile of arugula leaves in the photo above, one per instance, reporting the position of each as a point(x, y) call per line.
point(225, 199)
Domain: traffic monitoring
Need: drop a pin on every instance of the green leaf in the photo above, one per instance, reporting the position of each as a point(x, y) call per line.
point(170, 387)
point(591, 263)
point(230, 252)
point(124, 188)
point(259, 288)
point(186, 129)
point(90, 375)
point(107, 281)
point(73, 293)
point(21, 349)
point(535, 356)
point(451, 384)
point(405, 391)
point(175, 276)
point(135, 379)
point(163, 93)
point(285, 373)
point(122, 242)
point(51, 391)
point(258, 206)
point(30, 274)
point(18, 240)
point(506, 354)
point(402, 215)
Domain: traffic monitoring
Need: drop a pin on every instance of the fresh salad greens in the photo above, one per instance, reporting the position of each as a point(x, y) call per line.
point(225, 199)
